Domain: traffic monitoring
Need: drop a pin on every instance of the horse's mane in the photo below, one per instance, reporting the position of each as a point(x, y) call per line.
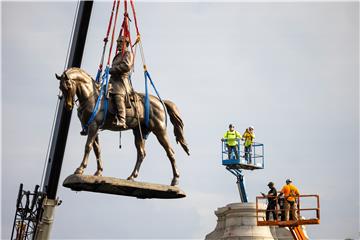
point(78, 74)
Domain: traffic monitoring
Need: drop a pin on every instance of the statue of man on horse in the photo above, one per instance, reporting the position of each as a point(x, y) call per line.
point(126, 109)
point(121, 88)
point(76, 82)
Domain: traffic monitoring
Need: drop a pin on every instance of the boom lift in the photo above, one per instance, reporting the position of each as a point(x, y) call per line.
point(255, 162)
point(237, 166)
point(295, 226)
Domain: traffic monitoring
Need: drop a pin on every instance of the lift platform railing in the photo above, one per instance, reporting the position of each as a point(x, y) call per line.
point(306, 215)
point(255, 158)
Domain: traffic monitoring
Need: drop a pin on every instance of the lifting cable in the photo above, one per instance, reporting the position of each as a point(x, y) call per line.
point(146, 74)
point(107, 70)
point(125, 31)
point(105, 43)
point(104, 84)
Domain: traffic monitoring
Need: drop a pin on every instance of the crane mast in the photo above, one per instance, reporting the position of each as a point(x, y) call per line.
point(24, 214)
point(62, 124)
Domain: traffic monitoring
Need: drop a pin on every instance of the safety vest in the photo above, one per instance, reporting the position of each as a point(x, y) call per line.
point(290, 192)
point(231, 137)
point(249, 138)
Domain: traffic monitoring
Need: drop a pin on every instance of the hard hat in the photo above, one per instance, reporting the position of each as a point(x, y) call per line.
point(231, 125)
point(270, 184)
point(288, 180)
point(251, 127)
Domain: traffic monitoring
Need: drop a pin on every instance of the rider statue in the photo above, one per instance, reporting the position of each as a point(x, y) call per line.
point(120, 70)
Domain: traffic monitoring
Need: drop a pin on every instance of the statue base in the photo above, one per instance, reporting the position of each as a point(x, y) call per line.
point(123, 187)
point(238, 221)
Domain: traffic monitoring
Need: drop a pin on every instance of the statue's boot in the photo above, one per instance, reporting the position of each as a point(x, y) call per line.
point(119, 103)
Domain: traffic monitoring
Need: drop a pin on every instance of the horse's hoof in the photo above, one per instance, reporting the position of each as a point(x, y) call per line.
point(84, 132)
point(98, 173)
point(79, 171)
point(175, 182)
point(130, 179)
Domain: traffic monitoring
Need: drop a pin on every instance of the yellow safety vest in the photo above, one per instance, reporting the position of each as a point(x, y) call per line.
point(231, 137)
point(249, 138)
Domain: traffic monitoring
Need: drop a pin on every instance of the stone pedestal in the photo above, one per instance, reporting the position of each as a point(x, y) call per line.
point(102, 184)
point(237, 221)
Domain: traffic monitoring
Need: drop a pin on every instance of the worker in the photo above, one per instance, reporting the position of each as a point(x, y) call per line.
point(281, 202)
point(291, 194)
point(231, 138)
point(248, 137)
point(120, 70)
point(272, 200)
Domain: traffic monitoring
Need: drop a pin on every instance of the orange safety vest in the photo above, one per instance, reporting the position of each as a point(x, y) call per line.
point(290, 192)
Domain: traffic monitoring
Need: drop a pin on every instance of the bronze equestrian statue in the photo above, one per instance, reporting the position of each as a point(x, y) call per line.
point(75, 81)
point(120, 70)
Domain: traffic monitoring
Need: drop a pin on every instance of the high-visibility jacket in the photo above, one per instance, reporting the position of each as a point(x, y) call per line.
point(249, 138)
point(231, 137)
point(290, 192)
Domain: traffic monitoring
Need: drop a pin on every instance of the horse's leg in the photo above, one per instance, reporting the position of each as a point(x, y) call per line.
point(88, 146)
point(140, 148)
point(164, 141)
point(96, 145)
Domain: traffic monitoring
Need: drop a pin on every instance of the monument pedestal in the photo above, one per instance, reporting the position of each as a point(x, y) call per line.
point(102, 184)
point(237, 221)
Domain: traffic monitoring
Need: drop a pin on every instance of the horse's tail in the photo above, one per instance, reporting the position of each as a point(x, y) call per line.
point(178, 124)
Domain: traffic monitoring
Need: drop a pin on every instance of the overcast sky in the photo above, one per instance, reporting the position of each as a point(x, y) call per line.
point(288, 69)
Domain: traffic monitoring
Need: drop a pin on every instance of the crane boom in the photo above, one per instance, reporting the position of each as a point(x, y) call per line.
point(62, 124)
point(63, 118)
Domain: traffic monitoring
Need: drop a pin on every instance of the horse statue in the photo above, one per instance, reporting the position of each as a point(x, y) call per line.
point(75, 81)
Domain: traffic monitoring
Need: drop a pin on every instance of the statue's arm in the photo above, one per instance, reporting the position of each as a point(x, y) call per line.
point(122, 65)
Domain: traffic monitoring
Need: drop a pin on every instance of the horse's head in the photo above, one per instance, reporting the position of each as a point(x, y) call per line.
point(68, 88)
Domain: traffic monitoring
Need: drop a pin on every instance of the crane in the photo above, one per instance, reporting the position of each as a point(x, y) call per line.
point(35, 210)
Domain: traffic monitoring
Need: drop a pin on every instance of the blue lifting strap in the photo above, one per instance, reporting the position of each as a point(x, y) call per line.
point(147, 100)
point(103, 91)
point(98, 74)
point(106, 100)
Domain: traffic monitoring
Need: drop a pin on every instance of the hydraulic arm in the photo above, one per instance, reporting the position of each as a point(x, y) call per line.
point(240, 182)
point(298, 233)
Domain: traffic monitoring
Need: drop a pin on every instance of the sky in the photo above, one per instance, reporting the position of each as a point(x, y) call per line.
point(290, 69)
